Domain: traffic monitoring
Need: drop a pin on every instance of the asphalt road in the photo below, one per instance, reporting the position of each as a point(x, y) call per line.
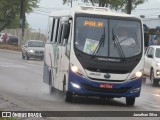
point(22, 82)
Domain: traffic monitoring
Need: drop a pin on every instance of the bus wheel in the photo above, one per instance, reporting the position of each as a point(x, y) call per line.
point(51, 89)
point(130, 101)
point(69, 96)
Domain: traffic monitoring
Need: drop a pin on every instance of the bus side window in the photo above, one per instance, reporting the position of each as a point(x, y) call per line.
point(68, 42)
point(56, 26)
point(60, 34)
point(65, 33)
point(52, 31)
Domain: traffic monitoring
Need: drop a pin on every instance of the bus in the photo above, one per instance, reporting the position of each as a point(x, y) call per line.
point(152, 34)
point(146, 34)
point(86, 56)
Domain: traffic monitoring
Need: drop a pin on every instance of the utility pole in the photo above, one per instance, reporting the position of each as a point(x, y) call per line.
point(71, 3)
point(129, 6)
point(22, 21)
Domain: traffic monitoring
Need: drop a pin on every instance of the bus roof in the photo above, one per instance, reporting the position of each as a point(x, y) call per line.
point(90, 10)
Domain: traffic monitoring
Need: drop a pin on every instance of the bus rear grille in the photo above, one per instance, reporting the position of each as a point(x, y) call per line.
point(106, 90)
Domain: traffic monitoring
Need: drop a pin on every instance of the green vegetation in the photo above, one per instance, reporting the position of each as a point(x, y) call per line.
point(10, 47)
point(10, 12)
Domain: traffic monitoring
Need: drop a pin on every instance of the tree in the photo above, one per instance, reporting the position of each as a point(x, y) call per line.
point(124, 5)
point(132, 4)
point(10, 10)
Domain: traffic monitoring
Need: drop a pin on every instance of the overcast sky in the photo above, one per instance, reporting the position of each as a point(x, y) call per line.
point(39, 18)
point(150, 9)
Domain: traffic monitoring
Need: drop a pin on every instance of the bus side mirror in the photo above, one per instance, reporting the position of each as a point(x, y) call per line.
point(66, 31)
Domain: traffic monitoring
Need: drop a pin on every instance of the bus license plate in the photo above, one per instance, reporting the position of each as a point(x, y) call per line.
point(106, 86)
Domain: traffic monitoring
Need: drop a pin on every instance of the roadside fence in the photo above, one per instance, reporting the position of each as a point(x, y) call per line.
point(29, 34)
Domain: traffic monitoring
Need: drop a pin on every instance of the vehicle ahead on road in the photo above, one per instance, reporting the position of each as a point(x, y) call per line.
point(10, 39)
point(152, 64)
point(33, 49)
point(85, 56)
point(13, 40)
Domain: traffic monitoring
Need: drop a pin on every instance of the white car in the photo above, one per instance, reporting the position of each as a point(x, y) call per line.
point(33, 49)
point(152, 64)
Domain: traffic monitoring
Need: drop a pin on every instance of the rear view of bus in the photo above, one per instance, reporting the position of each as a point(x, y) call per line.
point(106, 55)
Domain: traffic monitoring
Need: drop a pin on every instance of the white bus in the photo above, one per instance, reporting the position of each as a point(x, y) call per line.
point(91, 51)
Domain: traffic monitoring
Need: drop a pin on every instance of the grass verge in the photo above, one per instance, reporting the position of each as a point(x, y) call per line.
point(10, 47)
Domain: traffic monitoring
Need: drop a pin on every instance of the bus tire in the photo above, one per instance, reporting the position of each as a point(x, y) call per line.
point(51, 89)
point(69, 96)
point(130, 101)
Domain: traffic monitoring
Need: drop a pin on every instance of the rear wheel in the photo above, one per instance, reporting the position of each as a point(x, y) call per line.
point(153, 80)
point(130, 101)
